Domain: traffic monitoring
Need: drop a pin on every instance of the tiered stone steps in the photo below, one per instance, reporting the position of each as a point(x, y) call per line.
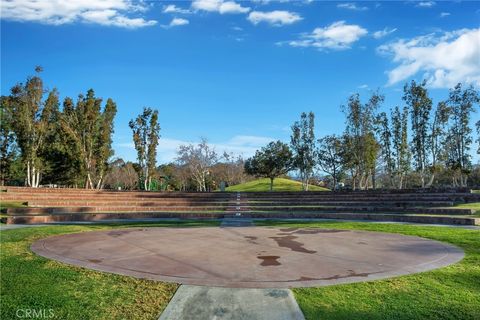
point(61, 205)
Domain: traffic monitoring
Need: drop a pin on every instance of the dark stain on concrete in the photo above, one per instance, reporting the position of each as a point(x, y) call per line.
point(94, 260)
point(269, 261)
point(361, 242)
point(303, 278)
point(316, 231)
point(289, 242)
point(277, 293)
point(251, 238)
point(118, 233)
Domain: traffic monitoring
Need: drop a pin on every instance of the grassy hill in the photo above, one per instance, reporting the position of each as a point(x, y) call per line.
point(279, 184)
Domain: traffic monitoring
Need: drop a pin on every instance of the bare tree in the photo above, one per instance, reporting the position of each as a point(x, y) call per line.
point(198, 159)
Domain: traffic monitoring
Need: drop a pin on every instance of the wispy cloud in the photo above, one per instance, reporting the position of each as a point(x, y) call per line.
point(176, 22)
point(337, 36)
point(444, 14)
point(275, 18)
point(171, 8)
point(443, 59)
point(118, 13)
point(426, 4)
point(351, 6)
point(220, 6)
point(383, 33)
point(167, 147)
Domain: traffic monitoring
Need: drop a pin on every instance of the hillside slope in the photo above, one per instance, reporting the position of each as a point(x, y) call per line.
point(279, 184)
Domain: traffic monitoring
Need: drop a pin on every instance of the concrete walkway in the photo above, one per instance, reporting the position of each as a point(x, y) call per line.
point(208, 303)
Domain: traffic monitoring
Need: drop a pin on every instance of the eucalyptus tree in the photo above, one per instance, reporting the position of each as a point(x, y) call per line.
point(461, 104)
point(360, 136)
point(8, 151)
point(420, 105)
point(199, 159)
point(438, 139)
point(401, 151)
point(384, 133)
point(90, 129)
point(330, 156)
point(146, 133)
point(271, 161)
point(302, 143)
point(32, 120)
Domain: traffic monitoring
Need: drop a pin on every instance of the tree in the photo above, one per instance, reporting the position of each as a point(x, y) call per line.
point(271, 161)
point(385, 137)
point(359, 135)
point(401, 152)
point(461, 105)
point(302, 144)
point(32, 120)
point(90, 129)
point(8, 152)
point(199, 160)
point(146, 133)
point(437, 139)
point(122, 174)
point(417, 99)
point(330, 159)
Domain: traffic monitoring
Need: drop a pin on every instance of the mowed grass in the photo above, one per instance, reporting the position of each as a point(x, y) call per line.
point(12, 204)
point(29, 281)
point(452, 292)
point(474, 205)
point(279, 184)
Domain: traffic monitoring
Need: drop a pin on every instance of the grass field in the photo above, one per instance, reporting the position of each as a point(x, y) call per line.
point(12, 204)
point(448, 293)
point(32, 282)
point(279, 184)
point(473, 205)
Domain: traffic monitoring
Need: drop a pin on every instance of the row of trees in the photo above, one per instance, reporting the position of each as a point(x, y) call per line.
point(411, 146)
point(41, 143)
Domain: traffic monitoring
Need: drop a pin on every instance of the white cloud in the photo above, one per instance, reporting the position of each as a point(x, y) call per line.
point(57, 12)
point(351, 6)
point(382, 33)
point(178, 22)
point(220, 6)
point(275, 18)
point(363, 86)
point(336, 36)
point(167, 148)
point(444, 14)
point(171, 8)
point(444, 59)
point(426, 4)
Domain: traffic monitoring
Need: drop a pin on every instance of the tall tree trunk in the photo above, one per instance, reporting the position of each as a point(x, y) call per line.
point(430, 182)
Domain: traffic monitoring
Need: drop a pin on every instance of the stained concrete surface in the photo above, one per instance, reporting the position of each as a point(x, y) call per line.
point(249, 257)
point(197, 302)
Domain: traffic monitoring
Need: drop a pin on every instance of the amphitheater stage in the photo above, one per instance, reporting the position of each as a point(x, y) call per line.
point(249, 257)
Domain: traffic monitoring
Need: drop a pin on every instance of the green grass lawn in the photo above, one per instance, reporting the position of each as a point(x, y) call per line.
point(12, 204)
point(473, 205)
point(29, 281)
point(448, 293)
point(279, 184)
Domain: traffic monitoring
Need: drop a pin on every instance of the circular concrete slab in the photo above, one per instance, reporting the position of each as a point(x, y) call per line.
point(250, 257)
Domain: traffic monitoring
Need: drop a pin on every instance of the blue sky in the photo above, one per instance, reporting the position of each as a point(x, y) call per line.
point(238, 73)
